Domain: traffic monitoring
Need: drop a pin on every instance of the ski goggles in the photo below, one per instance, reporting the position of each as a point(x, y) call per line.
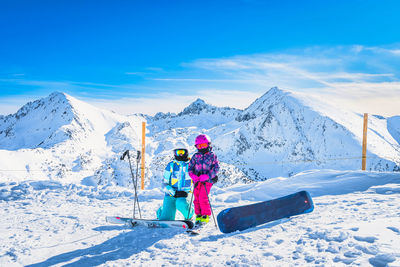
point(180, 152)
point(202, 146)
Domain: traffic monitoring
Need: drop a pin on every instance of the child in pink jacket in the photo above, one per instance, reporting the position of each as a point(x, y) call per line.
point(203, 169)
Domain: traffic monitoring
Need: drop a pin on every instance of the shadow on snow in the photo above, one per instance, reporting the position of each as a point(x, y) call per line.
point(253, 229)
point(119, 247)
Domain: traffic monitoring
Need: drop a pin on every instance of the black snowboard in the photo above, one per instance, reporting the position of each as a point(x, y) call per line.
point(244, 217)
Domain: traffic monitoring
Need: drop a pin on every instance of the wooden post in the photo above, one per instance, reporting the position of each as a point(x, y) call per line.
point(364, 144)
point(143, 151)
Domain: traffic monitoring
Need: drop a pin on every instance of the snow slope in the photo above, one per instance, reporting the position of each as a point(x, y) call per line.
point(393, 126)
point(60, 137)
point(355, 222)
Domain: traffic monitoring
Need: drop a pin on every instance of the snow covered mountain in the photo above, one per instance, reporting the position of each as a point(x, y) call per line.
point(61, 137)
point(197, 114)
point(43, 123)
point(280, 134)
point(60, 162)
point(283, 133)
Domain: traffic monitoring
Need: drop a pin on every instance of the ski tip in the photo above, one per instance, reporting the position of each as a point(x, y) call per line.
point(192, 232)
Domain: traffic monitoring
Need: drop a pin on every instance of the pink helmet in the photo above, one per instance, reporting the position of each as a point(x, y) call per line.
point(202, 139)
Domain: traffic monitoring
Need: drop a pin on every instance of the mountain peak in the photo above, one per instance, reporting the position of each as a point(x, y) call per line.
point(276, 92)
point(196, 107)
point(40, 121)
point(58, 97)
point(199, 101)
point(274, 96)
point(275, 89)
point(273, 93)
point(55, 100)
point(58, 94)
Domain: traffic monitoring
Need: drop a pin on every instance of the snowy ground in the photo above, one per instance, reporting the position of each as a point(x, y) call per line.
point(356, 221)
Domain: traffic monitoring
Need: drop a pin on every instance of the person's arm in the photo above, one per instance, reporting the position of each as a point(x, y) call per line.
point(214, 167)
point(191, 165)
point(188, 181)
point(191, 170)
point(167, 180)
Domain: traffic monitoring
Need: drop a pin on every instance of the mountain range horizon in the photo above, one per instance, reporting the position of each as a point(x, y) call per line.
point(280, 134)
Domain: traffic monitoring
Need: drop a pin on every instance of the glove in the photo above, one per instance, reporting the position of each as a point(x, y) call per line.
point(204, 178)
point(214, 180)
point(169, 190)
point(180, 194)
point(194, 177)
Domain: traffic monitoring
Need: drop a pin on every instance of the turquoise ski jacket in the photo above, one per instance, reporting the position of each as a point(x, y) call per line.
point(176, 177)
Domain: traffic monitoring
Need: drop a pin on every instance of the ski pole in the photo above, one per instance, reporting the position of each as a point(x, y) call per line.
point(134, 185)
point(136, 180)
point(191, 200)
point(212, 212)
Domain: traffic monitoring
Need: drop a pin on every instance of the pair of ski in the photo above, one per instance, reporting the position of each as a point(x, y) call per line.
point(185, 225)
point(231, 219)
point(239, 218)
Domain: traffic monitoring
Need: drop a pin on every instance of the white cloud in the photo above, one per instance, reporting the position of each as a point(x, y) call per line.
point(167, 102)
point(382, 50)
point(373, 98)
point(361, 78)
point(10, 105)
point(6, 109)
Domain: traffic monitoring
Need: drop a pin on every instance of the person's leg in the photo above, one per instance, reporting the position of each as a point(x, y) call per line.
point(159, 212)
point(182, 204)
point(168, 209)
point(203, 198)
point(196, 203)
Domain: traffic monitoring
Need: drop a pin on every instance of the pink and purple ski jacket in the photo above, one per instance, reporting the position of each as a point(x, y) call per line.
point(204, 164)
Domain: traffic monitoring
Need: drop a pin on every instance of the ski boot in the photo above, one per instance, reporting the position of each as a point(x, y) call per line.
point(205, 219)
point(198, 219)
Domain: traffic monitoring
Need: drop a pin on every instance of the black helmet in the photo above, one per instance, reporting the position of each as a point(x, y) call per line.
point(181, 153)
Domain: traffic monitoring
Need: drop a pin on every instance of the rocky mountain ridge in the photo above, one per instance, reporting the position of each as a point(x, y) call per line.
point(279, 134)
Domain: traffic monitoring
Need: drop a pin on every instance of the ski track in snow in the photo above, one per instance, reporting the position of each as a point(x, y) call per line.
point(46, 223)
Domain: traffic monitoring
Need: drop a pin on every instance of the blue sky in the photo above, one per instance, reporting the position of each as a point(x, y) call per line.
point(149, 56)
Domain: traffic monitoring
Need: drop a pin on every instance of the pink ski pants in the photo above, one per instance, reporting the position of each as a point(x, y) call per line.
point(201, 204)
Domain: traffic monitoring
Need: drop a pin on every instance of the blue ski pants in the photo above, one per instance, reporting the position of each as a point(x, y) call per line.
point(171, 205)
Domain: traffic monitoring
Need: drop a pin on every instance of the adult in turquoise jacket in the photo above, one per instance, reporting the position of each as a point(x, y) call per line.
point(176, 185)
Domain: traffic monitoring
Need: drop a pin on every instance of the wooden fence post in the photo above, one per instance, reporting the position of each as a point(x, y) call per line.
point(364, 144)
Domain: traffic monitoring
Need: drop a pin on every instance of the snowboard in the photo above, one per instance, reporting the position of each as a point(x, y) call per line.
point(244, 217)
point(185, 224)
